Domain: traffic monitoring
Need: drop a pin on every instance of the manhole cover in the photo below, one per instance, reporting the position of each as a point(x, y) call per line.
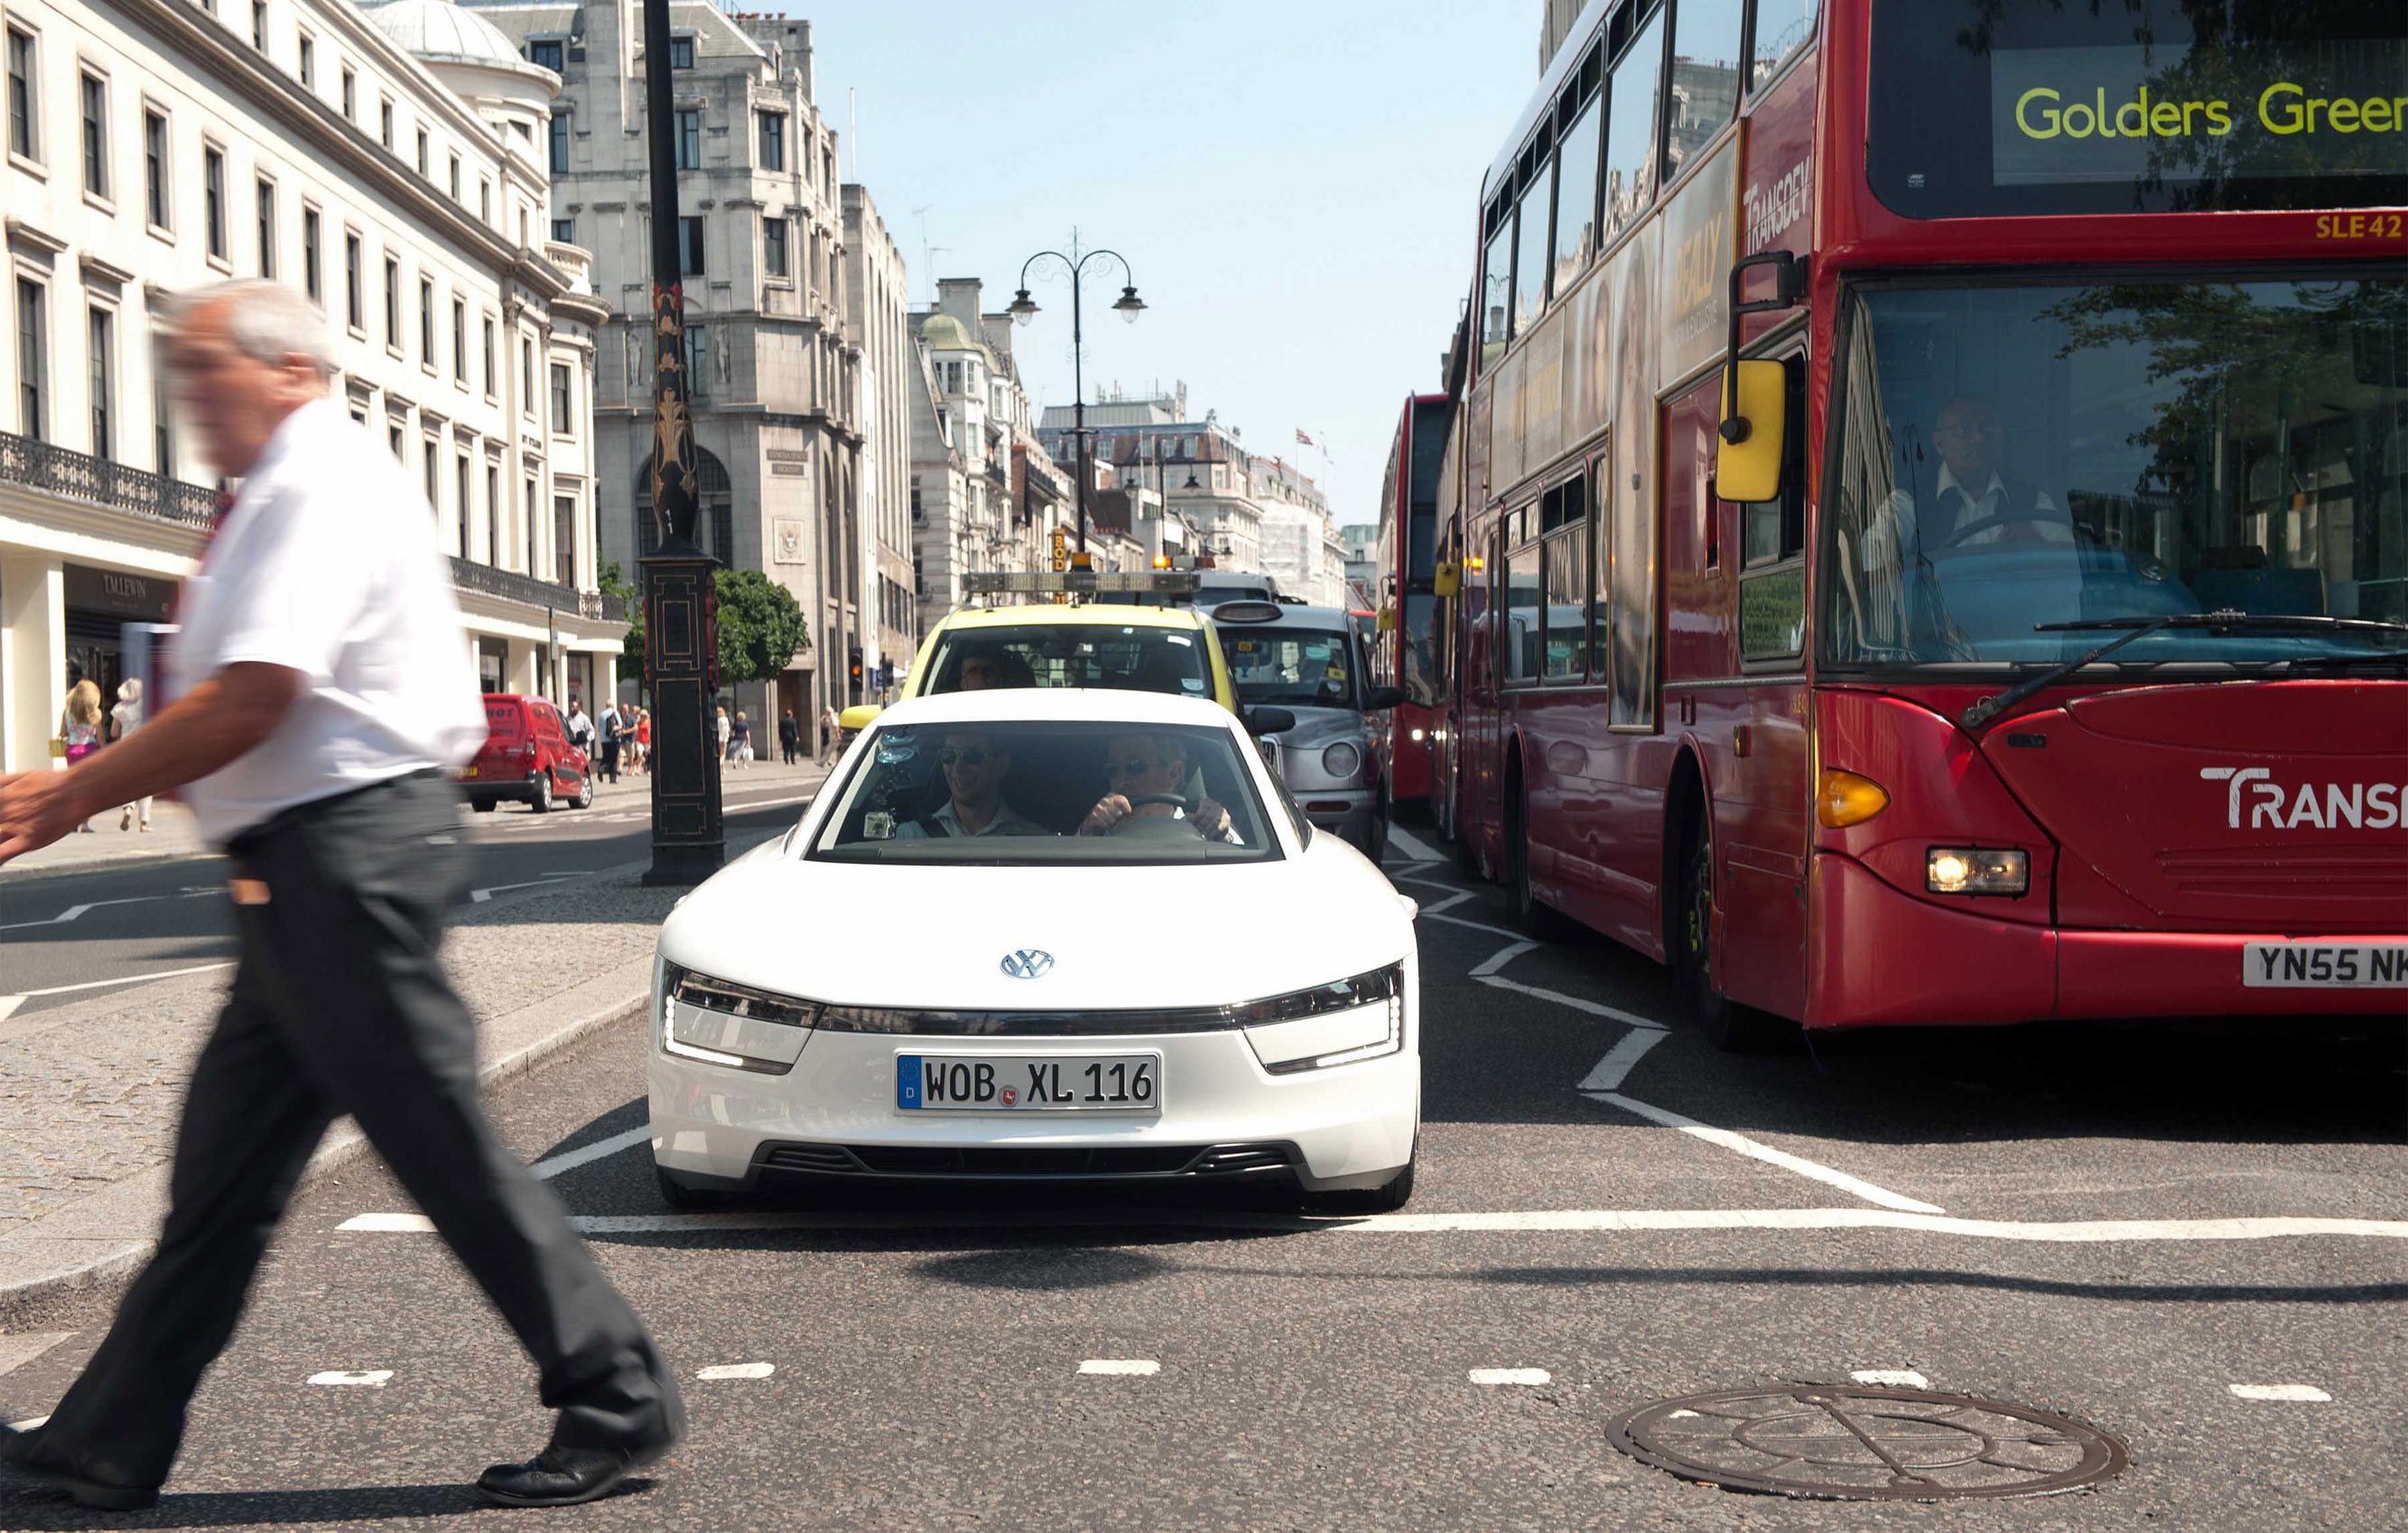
point(1853, 1444)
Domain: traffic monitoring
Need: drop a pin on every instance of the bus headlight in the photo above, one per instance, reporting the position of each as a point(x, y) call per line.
point(1341, 761)
point(1976, 870)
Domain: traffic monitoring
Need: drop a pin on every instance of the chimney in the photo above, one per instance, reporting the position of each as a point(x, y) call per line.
point(959, 297)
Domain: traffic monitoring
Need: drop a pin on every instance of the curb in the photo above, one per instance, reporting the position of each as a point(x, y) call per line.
point(114, 861)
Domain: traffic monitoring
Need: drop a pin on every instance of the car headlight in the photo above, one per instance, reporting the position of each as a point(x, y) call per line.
point(722, 1023)
point(1342, 1024)
point(1976, 870)
point(1342, 760)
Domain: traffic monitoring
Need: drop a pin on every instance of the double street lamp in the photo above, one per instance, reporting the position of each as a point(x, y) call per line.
point(1128, 307)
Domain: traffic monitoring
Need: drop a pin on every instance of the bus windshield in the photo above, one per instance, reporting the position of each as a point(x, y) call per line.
point(2197, 106)
point(2020, 456)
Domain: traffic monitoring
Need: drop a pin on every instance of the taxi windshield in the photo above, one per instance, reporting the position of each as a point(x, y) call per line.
point(1129, 657)
point(1014, 791)
point(1306, 666)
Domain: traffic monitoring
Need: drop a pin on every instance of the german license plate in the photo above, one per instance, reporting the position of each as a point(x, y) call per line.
point(2325, 965)
point(1121, 1082)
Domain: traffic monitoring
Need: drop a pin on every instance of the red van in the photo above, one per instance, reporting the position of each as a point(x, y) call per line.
point(527, 757)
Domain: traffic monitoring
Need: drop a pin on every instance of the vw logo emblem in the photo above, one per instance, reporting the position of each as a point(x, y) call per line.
point(1028, 963)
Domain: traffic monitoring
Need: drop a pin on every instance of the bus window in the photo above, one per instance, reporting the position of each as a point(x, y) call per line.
point(1600, 633)
point(1563, 520)
point(1576, 180)
point(1630, 131)
point(1519, 617)
point(1782, 30)
point(1705, 78)
point(1496, 291)
point(1531, 268)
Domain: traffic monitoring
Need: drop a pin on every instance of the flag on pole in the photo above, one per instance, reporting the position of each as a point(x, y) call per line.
point(1300, 436)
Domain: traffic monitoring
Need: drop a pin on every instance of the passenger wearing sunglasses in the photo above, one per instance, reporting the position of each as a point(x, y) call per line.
point(1154, 768)
point(975, 768)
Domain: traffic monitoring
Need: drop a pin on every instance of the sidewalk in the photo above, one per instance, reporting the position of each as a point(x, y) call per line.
point(88, 1092)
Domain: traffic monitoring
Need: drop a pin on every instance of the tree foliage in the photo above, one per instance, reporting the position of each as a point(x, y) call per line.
point(761, 625)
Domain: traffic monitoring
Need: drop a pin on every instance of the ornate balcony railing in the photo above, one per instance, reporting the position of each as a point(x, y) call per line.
point(509, 585)
point(97, 481)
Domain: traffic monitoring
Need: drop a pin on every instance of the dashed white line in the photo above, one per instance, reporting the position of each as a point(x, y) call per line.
point(1512, 1376)
point(1895, 1378)
point(9, 1003)
point(366, 1377)
point(736, 1370)
point(29, 1422)
point(1410, 845)
point(1498, 959)
point(569, 1160)
point(1619, 1059)
point(1814, 1171)
point(2299, 1394)
point(1134, 1368)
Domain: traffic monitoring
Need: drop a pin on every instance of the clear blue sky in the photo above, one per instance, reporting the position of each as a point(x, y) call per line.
point(1294, 184)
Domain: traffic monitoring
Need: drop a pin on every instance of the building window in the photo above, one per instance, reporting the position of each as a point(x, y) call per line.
point(259, 25)
point(154, 168)
point(426, 470)
point(681, 52)
point(559, 143)
point(528, 510)
point(563, 540)
point(393, 303)
point(697, 358)
point(491, 367)
point(95, 135)
point(103, 382)
point(268, 229)
point(564, 231)
point(560, 403)
point(485, 200)
point(526, 376)
point(545, 54)
point(309, 59)
point(23, 122)
point(213, 211)
point(690, 246)
point(422, 151)
point(312, 265)
point(393, 440)
point(460, 505)
point(689, 140)
point(456, 178)
point(493, 516)
point(773, 246)
point(460, 342)
point(350, 95)
point(33, 356)
point(426, 322)
point(773, 139)
point(354, 300)
point(163, 426)
point(384, 124)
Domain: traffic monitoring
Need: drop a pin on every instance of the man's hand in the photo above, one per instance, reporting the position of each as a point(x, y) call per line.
point(1109, 810)
point(37, 809)
point(1210, 818)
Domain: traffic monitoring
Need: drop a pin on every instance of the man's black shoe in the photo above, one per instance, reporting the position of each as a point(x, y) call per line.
point(562, 1477)
point(92, 1482)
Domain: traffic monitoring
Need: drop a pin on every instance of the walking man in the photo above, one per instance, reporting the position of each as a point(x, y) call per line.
point(614, 730)
point(790, 738)
point(829, 726)
point(581, 727)
point(325, 699)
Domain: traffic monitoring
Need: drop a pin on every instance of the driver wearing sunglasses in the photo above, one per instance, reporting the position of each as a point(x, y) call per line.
point(1141, 772)
point(975, 768)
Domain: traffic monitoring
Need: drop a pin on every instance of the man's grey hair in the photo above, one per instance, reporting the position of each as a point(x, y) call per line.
point(266, 320)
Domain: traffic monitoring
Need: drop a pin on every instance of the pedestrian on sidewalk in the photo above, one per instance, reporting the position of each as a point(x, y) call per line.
point(644, 740)
point(79, 725)
point(790, 738)
point(739, 748)
point(580, 726)
point(829, 726)
point(325, 699)
point(612, 727)
point(725, 728)
point(123, 720)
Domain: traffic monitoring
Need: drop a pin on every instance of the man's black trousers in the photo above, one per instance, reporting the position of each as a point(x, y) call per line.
point(340, 1005)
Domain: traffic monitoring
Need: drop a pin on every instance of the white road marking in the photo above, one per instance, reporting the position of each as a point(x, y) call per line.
point(478, 896)
point(1410, 845)
point(569, 1160)
point(74, 912)
point(1449, 903)
point(2076, 1232)
point(24, 1346)
point(10, 1003)
point(1476, 925)
point(1594, 1008)
point(1512, 1376)
point(1498, 959)
point(2303, 1393)
point(736, 1370)
point(1814, 1171)
point(1136, 1367)
point(1618, 1060)
point(29, 1422)
point(369, 1378)
point(1896, 1378)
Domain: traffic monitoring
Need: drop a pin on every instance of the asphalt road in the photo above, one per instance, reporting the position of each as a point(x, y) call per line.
point(929, 1359)
point(124, 924)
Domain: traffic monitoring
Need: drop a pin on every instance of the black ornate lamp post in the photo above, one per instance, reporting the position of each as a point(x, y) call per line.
point(681, 600)
point(1128, 308)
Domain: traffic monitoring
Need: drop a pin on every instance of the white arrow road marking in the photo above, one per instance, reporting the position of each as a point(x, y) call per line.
point(1410, 845)
point(2298, 1394)
point(1512, 1376)
point(1895, 1378)
point(368, 1378)
point(10, 1003)
point(569, 1160)
point(1134, 1368)
point(1498, 959)
point(736, 1370)
point(1813, 1170)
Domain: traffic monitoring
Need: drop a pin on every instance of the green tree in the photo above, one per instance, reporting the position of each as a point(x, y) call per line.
point(761, 627)
point(631, 655)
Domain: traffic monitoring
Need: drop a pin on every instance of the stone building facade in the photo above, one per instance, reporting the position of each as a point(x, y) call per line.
point(886, 623)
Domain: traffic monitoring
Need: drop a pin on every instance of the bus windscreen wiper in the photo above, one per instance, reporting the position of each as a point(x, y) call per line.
point(1989, 708)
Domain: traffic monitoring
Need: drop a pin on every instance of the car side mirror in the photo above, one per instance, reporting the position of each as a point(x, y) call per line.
point(853, 720)
point(1380, 700)
point(1269, 720)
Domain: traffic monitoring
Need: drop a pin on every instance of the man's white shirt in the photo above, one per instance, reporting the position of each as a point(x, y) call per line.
point(1886, 552)
point(1006, 821)
point(327, 564)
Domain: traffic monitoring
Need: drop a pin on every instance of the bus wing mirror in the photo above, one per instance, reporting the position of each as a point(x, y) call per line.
point(1380, 699)
point(1747, 463)
point(1449, 579)
point(1387, 620)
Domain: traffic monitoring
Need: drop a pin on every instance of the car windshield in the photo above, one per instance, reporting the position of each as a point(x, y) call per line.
point(1129, 657)
point(1014, 791)
point(2017, 458)
point(1311, 667)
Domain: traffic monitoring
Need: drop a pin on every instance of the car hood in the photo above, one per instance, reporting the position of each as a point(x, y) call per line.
point(1120, 938)
point(1318, 727)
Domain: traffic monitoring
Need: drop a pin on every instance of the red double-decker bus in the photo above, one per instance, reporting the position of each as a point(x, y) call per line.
point(2016, 632)
point(1405, 565)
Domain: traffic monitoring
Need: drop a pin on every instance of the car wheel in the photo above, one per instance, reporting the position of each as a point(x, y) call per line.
point(1387, 1198)
point(481, 805)
point(677, 1194)
point(584, 799)
point(541, 802)
point(1531, 914)
point(1729, 1026)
